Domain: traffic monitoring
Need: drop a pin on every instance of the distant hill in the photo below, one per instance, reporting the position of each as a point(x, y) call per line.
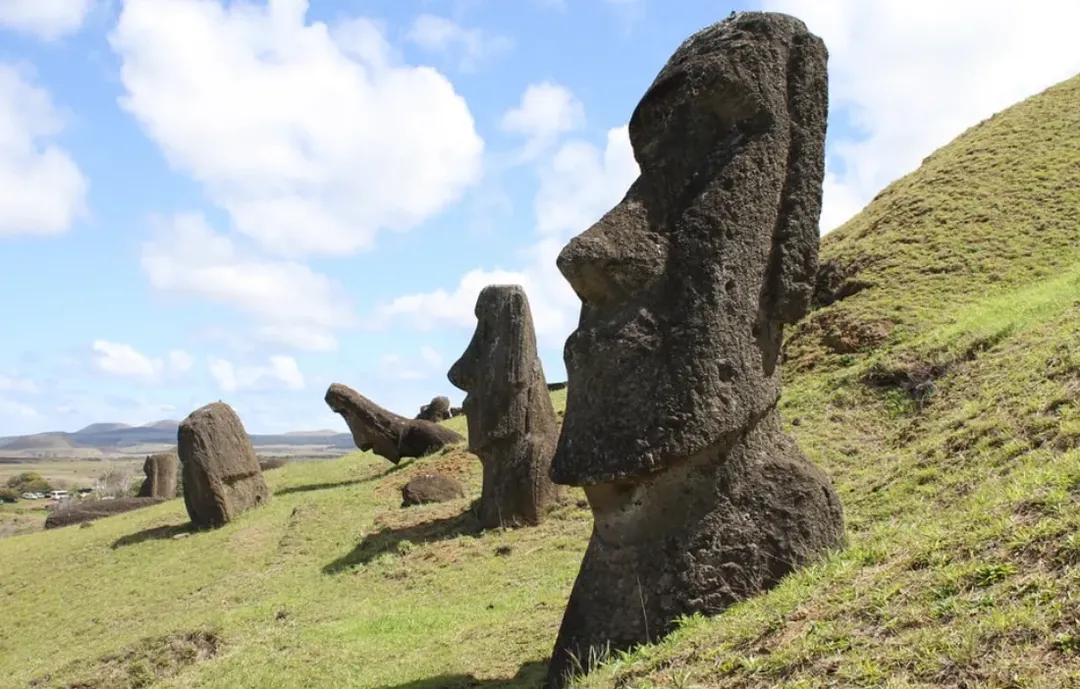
point(101, 428)
point(116, 436)
point(39, 441)
point(164, 425)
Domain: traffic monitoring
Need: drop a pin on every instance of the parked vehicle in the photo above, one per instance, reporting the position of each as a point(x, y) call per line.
point(59, 495)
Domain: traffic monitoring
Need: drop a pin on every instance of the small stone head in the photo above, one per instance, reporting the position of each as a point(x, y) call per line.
point(686, 284)
point(498, 366)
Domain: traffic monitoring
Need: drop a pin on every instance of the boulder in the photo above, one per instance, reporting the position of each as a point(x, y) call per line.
point(221, 472)
point(699, 498)
point(430, 488)
point(383, 432)
point(512, 425)
point(162, 472)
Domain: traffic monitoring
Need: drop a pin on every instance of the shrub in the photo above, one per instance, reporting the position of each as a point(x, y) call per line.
point(8, 495)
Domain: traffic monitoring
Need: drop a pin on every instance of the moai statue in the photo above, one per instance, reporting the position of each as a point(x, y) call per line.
point(512, 426)
point(222, 477)
point(699, 497)
point(385, 433)
point(162, 473)
point(438, 409)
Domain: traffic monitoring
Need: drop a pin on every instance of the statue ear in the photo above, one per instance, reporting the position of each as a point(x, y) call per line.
point(794, 258)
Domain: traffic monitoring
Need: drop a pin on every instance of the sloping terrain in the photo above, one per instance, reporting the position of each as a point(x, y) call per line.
point(939, 385)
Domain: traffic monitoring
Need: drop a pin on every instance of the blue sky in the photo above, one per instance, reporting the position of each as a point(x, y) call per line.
point(205, 200)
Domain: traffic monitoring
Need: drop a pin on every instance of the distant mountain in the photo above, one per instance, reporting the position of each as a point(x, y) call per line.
point(38, 441)
point(101, 428)
point(115, 436)
point(164, 425)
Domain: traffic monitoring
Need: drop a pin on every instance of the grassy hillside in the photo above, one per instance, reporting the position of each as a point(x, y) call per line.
point(941, 392)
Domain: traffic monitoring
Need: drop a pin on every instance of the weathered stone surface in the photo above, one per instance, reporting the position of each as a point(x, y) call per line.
point(84, 511)
point(221, 472)
point(699, 498)
point(438, 409)
point(384, 432)
point(512, 426)
point(162, 472)
point(430, 488)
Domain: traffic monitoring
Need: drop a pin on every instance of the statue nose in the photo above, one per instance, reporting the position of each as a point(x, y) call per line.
point(585, 263)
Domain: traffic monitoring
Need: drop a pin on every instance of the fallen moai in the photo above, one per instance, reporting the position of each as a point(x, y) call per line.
point(512, 425)
point(221, 472)
point(162, 472)
point(699, 498)
point(384, 432)
point(82, 511)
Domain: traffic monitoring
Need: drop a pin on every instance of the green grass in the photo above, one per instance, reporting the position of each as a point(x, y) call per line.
point(953, 440)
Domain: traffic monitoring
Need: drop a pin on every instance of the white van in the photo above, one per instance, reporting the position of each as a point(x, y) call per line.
point(59, 495)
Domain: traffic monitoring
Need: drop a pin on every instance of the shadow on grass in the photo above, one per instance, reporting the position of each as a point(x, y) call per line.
point(157, 533)
point(387, 540)
point(529, 676)
point(343, 484)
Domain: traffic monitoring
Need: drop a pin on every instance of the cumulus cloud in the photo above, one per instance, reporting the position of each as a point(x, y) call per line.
point(42, 190)
point(442, 35)
point(908, 76)
point(399, 367)
point(15, 384)
point(547, 111)
point(45, 19)
point(124, 361)
point(293, 305)
point(279, 372)
point(579, 182)
point(312, 137)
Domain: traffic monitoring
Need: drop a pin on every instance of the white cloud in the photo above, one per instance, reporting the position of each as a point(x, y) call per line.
point(547, 110)
point(123, 360)
point(312, 137)
point(14, 384)
point(294, 305)
point(281, 371)
point(910, 75)
point(442, 35)
point(578, 184)
point(42, 190)
point(45, 19)
point(398, 367)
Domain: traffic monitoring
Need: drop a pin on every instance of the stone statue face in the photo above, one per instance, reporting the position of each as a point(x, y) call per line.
point(685, 285)
point(498, 365)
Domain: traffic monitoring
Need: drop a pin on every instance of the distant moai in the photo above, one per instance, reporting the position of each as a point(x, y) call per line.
point(162, 476)
point(438, 409)
point(221, 472)
point(512, 425)
point(383, 432)
point(699, 497)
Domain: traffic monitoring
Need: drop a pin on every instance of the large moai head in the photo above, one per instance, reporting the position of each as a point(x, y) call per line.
point(686, 284)
point(499, 370)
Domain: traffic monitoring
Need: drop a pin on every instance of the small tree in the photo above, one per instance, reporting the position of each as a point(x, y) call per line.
point(29, 482)
point(114, 482)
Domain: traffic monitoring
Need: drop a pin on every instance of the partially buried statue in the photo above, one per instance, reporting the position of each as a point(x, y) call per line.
point(512, 426)
point(699, 497)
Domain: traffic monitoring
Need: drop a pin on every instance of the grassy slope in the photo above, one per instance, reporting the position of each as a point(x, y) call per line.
point(963, 499)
